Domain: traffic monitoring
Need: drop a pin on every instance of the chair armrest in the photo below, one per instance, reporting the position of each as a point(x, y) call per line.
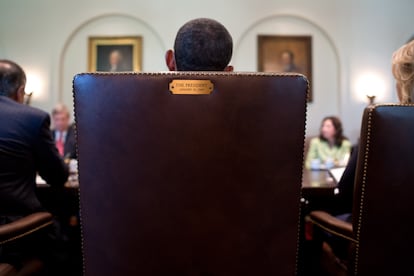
point(24, 226)
point(332, 224)
point(7, 270)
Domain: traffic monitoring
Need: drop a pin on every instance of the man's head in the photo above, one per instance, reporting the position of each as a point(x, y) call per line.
point(12, 80)
point(403, 71)
point(287, 57)
point(115, 57)
point(60, 117)
point(201, 45)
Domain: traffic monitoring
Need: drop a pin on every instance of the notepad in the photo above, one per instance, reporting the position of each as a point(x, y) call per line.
point(337, 173)
point(40, 181)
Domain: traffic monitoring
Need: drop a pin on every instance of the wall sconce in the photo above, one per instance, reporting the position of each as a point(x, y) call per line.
point(370, 86)
point(27, 97)
point(371, 99)
point(33, 83)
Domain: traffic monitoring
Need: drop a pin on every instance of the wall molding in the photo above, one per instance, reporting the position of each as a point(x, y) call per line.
point(81, 27)
point(309, 22)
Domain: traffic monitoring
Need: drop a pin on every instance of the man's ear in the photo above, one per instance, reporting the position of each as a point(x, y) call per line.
point(229, 68)
point(18, 96)
point(170, 60)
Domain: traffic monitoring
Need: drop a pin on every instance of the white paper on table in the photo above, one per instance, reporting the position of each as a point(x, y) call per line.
point(337, 173)
point(40, 181)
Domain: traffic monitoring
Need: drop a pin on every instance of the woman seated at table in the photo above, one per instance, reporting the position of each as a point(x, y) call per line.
point(331, 148)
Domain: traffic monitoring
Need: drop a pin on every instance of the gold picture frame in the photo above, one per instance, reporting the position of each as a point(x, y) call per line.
point(286, 53)
point(114, 54)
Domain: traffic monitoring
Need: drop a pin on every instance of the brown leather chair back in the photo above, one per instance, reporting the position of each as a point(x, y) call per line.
point(184, 184)
point(385, 192)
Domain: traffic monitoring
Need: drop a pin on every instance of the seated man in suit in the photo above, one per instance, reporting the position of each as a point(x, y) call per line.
point(27, 148)
point(201, 45)
point(63, 132)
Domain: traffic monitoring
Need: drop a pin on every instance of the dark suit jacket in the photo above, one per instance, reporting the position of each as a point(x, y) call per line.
point(346, 184)
point(70, 143)
point(26, 147)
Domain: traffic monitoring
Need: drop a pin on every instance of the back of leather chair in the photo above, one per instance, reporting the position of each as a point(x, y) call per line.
point(184, 184)
point(384, 185)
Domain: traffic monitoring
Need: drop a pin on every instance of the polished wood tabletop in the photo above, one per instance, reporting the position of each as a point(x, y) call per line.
point(317, 179)
point(318, 183)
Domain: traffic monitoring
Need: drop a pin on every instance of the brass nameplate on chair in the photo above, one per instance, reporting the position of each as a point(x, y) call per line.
point(191, 87)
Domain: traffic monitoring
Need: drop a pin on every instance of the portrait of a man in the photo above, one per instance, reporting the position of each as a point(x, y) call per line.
point(287, 62)
point(114, 58)
point(114, 54)
point(286, 54)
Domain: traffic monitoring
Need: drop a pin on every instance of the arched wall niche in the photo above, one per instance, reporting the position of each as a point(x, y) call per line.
point(326, 67)
point(74, 55)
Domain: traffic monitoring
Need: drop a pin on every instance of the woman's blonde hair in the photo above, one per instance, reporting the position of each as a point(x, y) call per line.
point(403, 71)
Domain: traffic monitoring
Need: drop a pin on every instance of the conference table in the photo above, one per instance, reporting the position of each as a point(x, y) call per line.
point(318, 183)
point(63, 202)
point(319, 191)
point(315, 184)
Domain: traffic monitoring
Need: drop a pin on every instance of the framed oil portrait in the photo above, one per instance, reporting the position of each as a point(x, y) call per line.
point(282, 53)
point(115, 54)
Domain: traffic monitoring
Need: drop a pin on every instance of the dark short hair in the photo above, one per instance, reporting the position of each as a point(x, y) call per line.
point(339, 132)
point(12, 77)
point(203, 45)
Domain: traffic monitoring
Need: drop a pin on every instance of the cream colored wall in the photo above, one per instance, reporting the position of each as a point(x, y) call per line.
point(350, 38)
